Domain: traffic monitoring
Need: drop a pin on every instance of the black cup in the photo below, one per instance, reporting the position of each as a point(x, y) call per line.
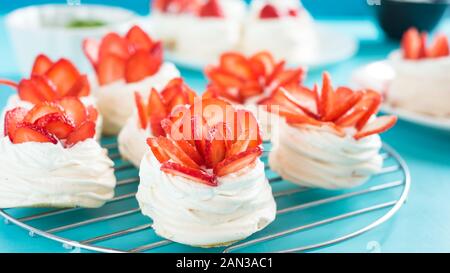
point(396, 16)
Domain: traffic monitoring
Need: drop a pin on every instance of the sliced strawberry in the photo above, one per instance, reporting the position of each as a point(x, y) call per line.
point(269, 12)
point(41, 110)
point(423, 45)
point(141, 65)
point(56, 124)
point(31, 133)
point(179, 99)
point(110, 68)
point(326, 96)
point(157, 150)
point(92, 113)
point(44, 87)
point(439, 48)
point(293, 12)
point(176, 153)
point(83, 132)
point(284, 102)
point(113, 44)
point(250, 89)
point(215, 149)
point(41, 65)
point(172, 88)
point(156, 111)
point(28, 92)
point(237, 65)
point(189, 173)
point(138, 39)
point(91, 49)
point(411, 44)
point(81, 88)
point(142, 110)
point(278, 69)
point(224, 79)
point(372, 103)
point(379, 125)
point(247, 126)
point(362, 111)
point(302, 119)
point(343, 99)
point(63, 74)
point(74, 110)
point(200, 130)
point(262, 63)
point(237, 162)
point(288, 77)
point(213, 110)
point(305, 98)
point(211, 9)
point(12, 119)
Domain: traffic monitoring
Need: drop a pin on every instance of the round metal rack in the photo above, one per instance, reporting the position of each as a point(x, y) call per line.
point(303, 221)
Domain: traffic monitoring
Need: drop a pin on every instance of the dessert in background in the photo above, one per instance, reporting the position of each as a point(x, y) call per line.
point(146, 121)
point(246, 81)
point(49, 157)
point(123, 65)
point(50, 81)
point(329, 138)
point(282, 27)
point(204, 184)
point(422, 75)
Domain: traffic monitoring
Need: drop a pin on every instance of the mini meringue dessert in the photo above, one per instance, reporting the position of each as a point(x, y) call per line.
point(49, 157)
point(422, 75)
point(204, 184)
point(282, 27)
point(50, 81)
point(146, 121)
point(247, 81)
point(327, 139)
point(200, 30)
point(124, 65)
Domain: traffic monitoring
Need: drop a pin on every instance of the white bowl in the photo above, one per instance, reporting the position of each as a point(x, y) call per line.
point(43, 29)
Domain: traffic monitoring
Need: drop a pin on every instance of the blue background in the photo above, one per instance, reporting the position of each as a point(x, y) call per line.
point(423, 224)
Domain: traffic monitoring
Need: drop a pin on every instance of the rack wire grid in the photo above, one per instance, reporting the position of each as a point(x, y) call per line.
point(307, 218)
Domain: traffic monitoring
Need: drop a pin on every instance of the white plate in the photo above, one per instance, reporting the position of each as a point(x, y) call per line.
point(341, 48)
point(376, 76)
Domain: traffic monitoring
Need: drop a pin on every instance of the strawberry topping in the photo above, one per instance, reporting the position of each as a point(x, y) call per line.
point(269, 12)
point(211, 9)
point(414, 45)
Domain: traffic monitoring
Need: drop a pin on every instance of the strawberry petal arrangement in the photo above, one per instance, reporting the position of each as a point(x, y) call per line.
point(421, 66)
point(50, 154)
point(123, 65)
point(248, 80)
point(147, 119)
point(329, 137)
point(207, 163)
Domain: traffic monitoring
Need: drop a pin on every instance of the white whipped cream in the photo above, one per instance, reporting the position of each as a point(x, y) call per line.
point(191, 213)
point(420, 85)
point(48, 175)
point(314, 157)
point(133, 141)
point(116, 100)
point(291, 38)
point(14, 101)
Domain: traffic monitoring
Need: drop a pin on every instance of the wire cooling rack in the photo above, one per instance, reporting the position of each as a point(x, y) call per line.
point(307, 219)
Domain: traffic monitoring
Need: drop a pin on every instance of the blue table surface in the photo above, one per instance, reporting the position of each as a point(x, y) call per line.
point(422, 225)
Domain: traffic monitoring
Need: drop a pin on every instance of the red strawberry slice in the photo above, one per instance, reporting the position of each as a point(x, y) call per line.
point(343, 99)
point(200, 130)
point(56, 124)
point(247, 126)
point(176, 153)
point(211, 9)
point(172, 88)
point(326, 96)
point(31, 133)
point(91, 50)
point(284, 102)
point(141, 65)
point(223, 79)
point(113, 44)
point(138, 39)
point(110, 68)
point(83, 132)
point(237, 162)
point(237, 65)
point(179, 99)
point(44, 87)
point(250, 89)
point(41, 65)
point(362, 111)
point(293, 12)
point(195, 175)
point(439, 48)
point(411, 44)
point(63, 74)
point(269, 12)
point(288, 77)
point(156, 111)
point(262, 63)
point(41, 110)
point(278, 69)
point(81, 88)
point(157, 150)
point(423, 45)
point(142, 110)
point(215, 149)
point(213, 110)
point(372, 103)
point(379, 125)
point(302, 119)
point(28, 92)
point(92, 113)
point(12, 119)
point(74, 109)
point(304, 97)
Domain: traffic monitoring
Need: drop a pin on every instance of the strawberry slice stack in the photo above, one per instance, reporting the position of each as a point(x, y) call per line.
point(207, 140)
point(66, 120)
point(132, 57)
point(160, 106)
point(238, 78)
point(337, 109)
point(414, 45)
point(269, 11)
point(50, 81)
